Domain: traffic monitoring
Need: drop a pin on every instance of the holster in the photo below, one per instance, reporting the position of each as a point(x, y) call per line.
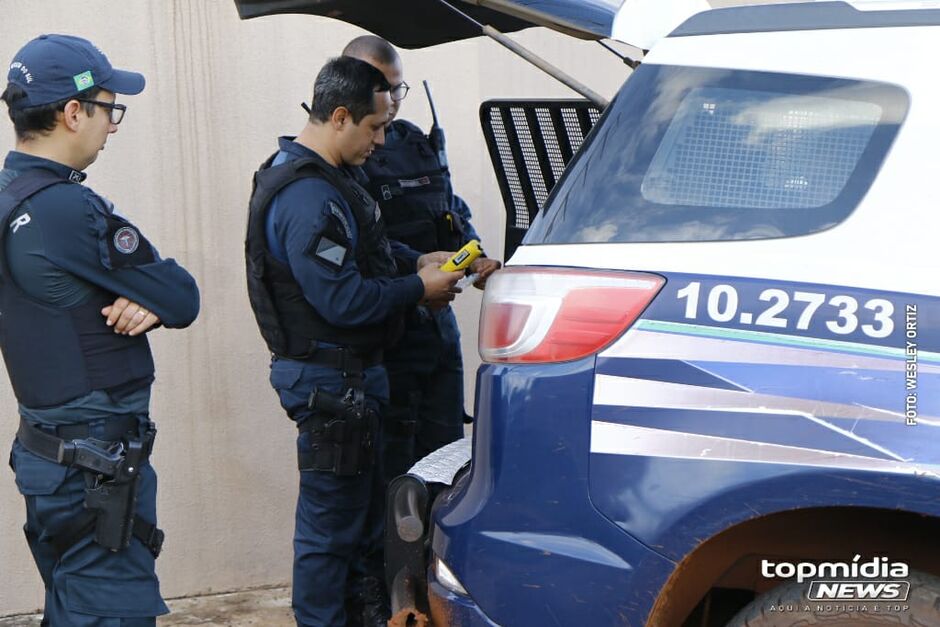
point(114, 500)
point(112, 470)
point(342, 434)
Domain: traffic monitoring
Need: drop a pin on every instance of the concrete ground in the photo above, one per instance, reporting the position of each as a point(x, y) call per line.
point(268, 607)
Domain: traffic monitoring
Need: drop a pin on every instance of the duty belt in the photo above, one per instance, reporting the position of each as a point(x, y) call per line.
point(111, 462)
point(346, 360)
point(68, 447)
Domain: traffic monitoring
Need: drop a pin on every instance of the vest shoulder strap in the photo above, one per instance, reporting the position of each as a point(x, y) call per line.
point(12, 196)
point(277, 177)
point(22, 187)
point(409, 129)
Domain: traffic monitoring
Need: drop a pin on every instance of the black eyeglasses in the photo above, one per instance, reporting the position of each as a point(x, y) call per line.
point(115, 110)
point(399, 91)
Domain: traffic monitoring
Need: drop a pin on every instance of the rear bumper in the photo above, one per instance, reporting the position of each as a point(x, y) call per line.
point(408, 530)
point(520, 532)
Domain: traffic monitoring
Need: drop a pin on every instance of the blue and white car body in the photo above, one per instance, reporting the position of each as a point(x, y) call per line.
point(721, 336)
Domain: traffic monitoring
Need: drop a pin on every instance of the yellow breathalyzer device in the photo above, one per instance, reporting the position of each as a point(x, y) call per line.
point(463, 257)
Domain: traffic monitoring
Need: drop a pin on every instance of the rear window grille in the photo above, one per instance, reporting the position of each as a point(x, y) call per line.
point(530, 143)
point(530, 158)
point(736, 148)
point(555, 157)
point(691, 154)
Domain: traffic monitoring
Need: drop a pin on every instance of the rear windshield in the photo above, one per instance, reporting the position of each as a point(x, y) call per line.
point(694, 154)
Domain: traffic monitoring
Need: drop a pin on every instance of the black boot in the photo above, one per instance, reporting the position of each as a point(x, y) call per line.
point(354, 611)
point(375, 604)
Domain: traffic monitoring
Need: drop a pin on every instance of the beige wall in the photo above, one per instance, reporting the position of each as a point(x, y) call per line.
point(218, 92)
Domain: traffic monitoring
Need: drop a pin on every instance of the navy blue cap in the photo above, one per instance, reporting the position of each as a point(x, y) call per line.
point(51, 68)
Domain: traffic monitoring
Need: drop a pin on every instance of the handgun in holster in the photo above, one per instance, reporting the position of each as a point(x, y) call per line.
point(112, 471)
point(342, 433)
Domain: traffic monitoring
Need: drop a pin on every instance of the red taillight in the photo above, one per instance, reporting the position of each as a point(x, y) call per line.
point(503, 323)
point(557, 314)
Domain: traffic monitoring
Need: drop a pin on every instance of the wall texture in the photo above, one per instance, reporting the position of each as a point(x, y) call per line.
point(218, 93)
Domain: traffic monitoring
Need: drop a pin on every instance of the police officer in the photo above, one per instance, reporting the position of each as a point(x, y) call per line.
point(79, 287)
point(328, 289)
point(410, 179)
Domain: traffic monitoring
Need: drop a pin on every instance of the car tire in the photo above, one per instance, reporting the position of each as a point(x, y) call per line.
point(787, 606)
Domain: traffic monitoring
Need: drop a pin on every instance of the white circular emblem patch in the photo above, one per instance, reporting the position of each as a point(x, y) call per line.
point(126, 240)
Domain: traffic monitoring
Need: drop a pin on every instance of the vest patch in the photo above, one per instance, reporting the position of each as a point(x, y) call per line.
point(340, 215)
point(124, 245)
point(126, 240)
point(418, 182)
point(331, 253)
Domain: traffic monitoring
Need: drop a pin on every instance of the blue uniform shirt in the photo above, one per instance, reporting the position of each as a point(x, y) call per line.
point(66, 242)
point(298, 215)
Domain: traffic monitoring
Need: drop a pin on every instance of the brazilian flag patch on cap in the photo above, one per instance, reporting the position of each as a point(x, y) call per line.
point(83, 81)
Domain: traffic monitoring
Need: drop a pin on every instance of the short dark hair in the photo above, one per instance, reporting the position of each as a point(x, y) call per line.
point(371, 47)
point(32, 121)
point(346, 82)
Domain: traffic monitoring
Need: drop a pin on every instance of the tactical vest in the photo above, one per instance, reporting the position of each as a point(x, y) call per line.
point(290, 326)
point(412, 186)
point(54, 355)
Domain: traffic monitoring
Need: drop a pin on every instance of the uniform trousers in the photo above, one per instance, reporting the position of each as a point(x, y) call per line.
point(339, 521)
point(425, 371)
point(89, 585)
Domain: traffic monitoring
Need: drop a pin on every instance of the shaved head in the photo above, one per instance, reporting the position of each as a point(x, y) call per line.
point(371, 48)
point(382, 55)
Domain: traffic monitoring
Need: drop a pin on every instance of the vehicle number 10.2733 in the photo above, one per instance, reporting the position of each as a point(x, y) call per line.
point(783, 310)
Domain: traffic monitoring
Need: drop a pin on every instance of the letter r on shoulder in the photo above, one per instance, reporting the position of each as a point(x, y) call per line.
point(20, 221)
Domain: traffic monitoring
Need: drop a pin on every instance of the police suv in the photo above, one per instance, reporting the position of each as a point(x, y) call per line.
point(712, 389)
point(711, 393)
